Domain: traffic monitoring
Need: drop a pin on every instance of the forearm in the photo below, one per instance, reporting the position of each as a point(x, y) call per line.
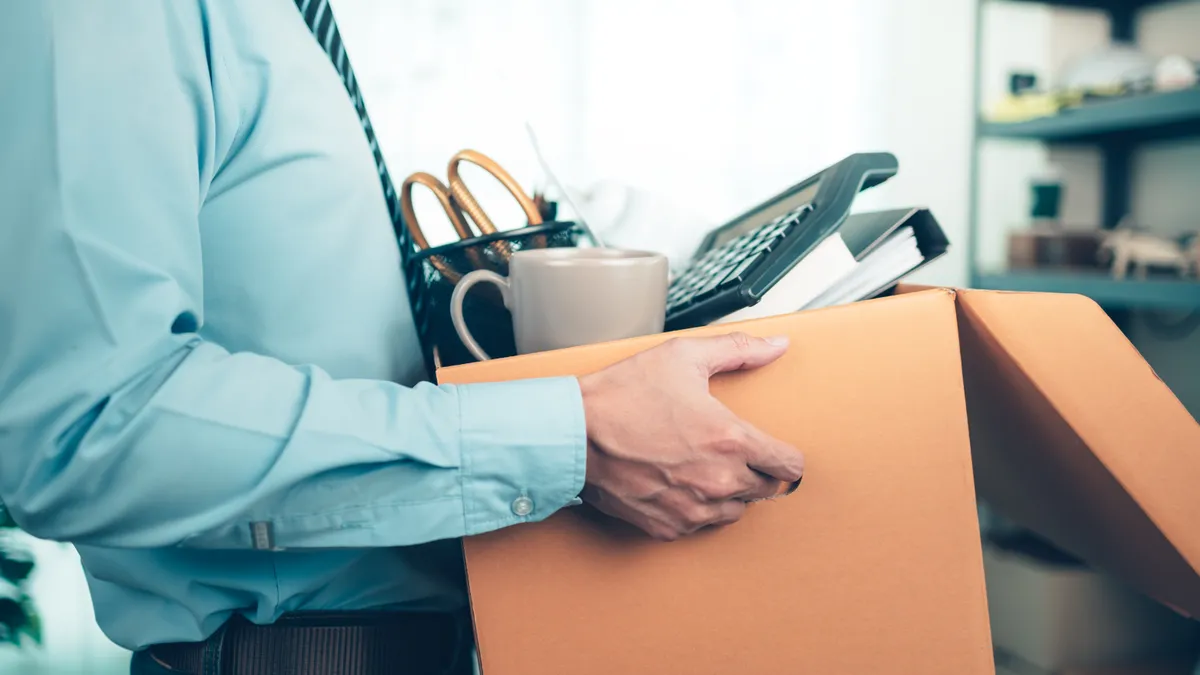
point(201, 446)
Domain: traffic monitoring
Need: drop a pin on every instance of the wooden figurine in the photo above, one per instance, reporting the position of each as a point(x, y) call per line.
point(1144, 252)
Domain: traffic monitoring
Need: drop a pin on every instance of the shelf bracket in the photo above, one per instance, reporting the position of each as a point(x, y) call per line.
point(1123, 18)
point(1118, 155)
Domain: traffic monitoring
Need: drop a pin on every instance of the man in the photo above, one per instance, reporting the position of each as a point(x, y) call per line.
point(210, 381)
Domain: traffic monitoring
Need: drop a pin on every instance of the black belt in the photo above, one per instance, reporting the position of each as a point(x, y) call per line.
point(322, 643)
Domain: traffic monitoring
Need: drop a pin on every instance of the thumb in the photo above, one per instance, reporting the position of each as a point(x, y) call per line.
point(738, 351)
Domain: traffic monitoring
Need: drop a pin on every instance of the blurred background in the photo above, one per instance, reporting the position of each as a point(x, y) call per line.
point(1031, 129)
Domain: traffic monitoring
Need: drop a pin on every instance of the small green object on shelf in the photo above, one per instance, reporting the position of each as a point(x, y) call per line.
point(18, 620)
point(1108, 292)
point(1171, 114)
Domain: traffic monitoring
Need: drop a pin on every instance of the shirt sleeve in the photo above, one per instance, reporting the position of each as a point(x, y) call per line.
point(119, 425)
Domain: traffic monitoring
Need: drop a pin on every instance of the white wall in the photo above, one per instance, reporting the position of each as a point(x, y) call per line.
point(920, 108)
point(708, 106)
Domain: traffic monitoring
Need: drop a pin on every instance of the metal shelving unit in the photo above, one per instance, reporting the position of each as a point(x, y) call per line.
point(1108, 292)
point(1116, 126)
point(1123, 12)
point(1142, 117)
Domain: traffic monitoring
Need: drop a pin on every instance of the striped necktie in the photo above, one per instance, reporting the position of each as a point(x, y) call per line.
point(318, 15)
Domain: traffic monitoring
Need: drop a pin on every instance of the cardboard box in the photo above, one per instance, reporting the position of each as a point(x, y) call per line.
point(1051, 612)
point(874, 565)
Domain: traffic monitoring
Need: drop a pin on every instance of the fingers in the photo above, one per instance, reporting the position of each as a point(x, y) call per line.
point(664, 454)
point(733, 481)
point(772, 456)
point(762, 487)
point(759, 451)
point(734, 351)
point(740, 351)
point(729, 513)
point(680, 512)
point(674, 514)
point(699, 515)
point(649, 517)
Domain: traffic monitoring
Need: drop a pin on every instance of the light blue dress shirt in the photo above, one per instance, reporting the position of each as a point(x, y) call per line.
point(204, 332)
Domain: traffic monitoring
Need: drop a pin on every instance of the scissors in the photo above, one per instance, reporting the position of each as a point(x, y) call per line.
point(456, 199)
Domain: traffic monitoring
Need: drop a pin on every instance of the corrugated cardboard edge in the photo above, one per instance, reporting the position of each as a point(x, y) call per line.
point(645, 342)
point(1168, 494)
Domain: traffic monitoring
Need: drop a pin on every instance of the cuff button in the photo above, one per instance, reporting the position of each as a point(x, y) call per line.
point(522, 506)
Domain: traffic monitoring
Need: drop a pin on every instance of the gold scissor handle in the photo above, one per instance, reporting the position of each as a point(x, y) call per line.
point(452, 213)
point(443, 195)
point(464, 198)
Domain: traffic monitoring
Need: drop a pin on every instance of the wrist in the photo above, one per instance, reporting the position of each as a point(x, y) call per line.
point(589, 393)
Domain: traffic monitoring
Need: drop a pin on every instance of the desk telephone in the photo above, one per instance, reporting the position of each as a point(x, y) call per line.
point(737, 263)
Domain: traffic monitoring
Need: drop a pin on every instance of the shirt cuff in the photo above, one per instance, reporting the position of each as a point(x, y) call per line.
point(524, 450)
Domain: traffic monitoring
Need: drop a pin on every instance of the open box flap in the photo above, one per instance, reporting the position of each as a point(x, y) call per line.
point(1074, 436)
point(873, 565)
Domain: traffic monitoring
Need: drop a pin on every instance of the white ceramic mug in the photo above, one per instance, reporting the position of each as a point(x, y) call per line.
point(566, 297)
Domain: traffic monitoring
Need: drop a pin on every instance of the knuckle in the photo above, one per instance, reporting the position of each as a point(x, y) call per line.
point(730, 437)
point(734, 514)
point(740, 341)
point(676, 345)
point(721, 484)
point(708, 516)
point(697, 517)
point(677, 350)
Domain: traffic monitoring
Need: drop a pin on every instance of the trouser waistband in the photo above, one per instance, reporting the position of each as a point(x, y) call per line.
point(326, 643)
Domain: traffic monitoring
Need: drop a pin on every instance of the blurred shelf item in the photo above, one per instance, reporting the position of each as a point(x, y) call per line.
point(1159, 115)
point(1106, 291)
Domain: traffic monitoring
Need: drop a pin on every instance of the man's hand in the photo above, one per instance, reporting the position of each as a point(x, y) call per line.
point(666, 456)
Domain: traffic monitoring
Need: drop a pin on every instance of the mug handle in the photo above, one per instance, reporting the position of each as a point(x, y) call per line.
point(456, 306)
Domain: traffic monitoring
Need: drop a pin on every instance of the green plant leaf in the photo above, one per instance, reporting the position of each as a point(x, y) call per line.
point(12, 617)
point(19, 622)
point(15, 564)
point(17, 617)
point(33, 623)
point(10, 592)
